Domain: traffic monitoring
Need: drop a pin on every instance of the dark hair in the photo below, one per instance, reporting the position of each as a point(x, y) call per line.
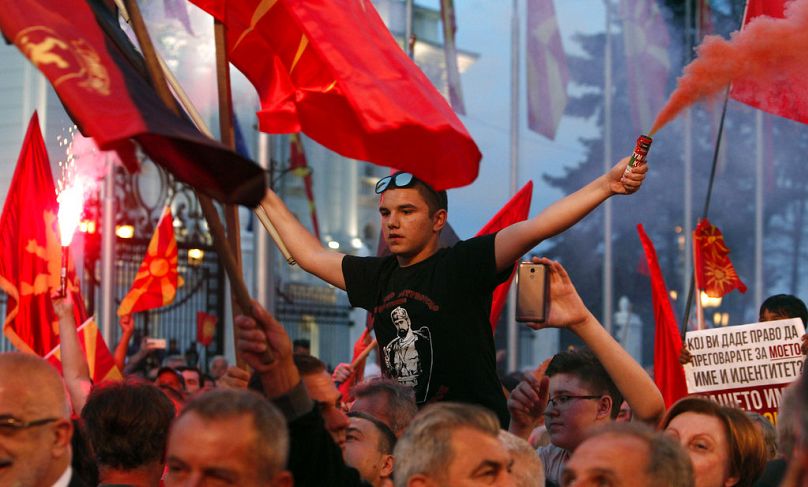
point(302, 342)
point(171, 370)
point(127, 424)
point(183, 368)
point(435, 200)
point(587, 368)
point(747, 451)
point(308, 364)
point(387, 439)
point(271, 448)
point(786, 305)
point(83, 462)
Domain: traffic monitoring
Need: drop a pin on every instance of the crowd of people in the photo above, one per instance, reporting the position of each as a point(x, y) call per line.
point(438, 416)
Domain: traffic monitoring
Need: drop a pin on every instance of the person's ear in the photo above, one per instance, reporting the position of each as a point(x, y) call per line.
point(421, 480)
point(439, 220)
point(283, 479)
point(605, 407)
point(387, 466)
point(732, 481)
point(62, 434)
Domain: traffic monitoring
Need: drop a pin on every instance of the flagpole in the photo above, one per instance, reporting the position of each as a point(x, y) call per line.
point(264, 252)
point(512, 342)
point(108, 253)
point(759, 176)
point(408, 15)
point(607, 157)
point(688, 162)
point(220, 241)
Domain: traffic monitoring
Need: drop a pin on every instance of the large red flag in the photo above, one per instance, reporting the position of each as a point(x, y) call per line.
point(331, 69)
point(90, 62)
point(782, 92)
point(669, 375)
point(646, 41)
point(155, 284)
point(299, 166)
point(30, 251)
point(515, 210)
point(449, 21)
point(715, 274)
point(547, 75)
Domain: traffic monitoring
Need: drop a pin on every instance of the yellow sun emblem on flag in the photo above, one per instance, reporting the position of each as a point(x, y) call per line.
point(719, 278)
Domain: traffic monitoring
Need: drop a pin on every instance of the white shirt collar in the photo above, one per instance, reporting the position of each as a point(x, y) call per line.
point(64, 480)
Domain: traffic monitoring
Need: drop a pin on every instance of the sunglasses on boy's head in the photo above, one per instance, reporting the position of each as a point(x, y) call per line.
point(397, 180)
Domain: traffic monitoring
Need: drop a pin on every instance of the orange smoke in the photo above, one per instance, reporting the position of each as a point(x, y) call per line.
point(768, 53)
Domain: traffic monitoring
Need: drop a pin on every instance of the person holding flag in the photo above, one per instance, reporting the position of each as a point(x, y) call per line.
point(430, 306)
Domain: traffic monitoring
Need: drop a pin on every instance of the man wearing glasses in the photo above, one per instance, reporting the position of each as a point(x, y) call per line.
point(35, 427)
point(447, 291)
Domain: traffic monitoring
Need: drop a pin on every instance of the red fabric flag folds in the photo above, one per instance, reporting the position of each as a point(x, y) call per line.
point(79, 47)
point(362, 343)
point(331, 69)
point(100, 361)
point(514, 211)
point(669, 375)
point(715, 274)
point(155, 284)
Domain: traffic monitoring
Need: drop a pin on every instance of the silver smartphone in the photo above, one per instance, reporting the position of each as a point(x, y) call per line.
point(156, 343)
point(532, 292)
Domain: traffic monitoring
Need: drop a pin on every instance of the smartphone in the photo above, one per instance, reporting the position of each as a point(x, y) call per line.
point(156, 343)
point(532, 293)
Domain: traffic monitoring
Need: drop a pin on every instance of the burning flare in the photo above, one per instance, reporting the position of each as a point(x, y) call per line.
point(768, 51)
point(71, 204)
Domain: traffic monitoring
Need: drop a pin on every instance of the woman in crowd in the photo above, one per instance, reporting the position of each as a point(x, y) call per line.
point(723, 444)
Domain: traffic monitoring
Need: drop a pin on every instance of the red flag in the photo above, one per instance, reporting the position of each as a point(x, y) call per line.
point(332, 70)
point(205, 328)
point(30, 251)
point(646, 41)
point(90, 62)
point(669, 375)
point(299, 166)
point(779, 87)
point(449, 20)
point(514, 211)
point(100, 361)
point(362, 343)
point(715, 274)
point(155, 284)
point(547, 75)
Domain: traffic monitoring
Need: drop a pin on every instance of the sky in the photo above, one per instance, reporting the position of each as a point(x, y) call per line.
point(484, 27)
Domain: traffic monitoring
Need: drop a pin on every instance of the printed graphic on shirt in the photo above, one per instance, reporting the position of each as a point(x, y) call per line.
point(408, 357)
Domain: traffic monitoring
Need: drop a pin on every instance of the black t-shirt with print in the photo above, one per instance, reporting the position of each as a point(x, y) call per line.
point(431, 321)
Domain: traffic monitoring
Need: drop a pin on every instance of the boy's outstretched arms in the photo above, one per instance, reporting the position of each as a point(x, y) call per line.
point(516, 240)
point(305, 248)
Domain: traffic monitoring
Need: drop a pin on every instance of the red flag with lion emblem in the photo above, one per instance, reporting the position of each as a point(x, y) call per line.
point(30, 251)
point(715, 274)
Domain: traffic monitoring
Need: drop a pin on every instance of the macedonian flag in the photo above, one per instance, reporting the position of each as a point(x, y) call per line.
point(156, 281)
point(715, 274)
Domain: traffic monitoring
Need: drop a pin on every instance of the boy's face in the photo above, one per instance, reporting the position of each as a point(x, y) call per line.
point(408, 229)
point(569, 423)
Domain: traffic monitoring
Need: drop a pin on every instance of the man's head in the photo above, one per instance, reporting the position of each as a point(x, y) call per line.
point(35, 427)
point(324, 393)
point(582, 395)
point(412, 214)
point(218, 366)
point(369, 447)
point(302, 345)
point(452, 444)
point(628, 454)
point(170, 377)
point(527, 469)
point(192, 377)
point(388, 400)
point(781, 307)
point(127, 425)
point(230, 437)
point(401, 319)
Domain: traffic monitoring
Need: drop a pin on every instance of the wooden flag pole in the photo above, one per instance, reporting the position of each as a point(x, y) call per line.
point(220, 241)
point(362, 356)
point(196, 118)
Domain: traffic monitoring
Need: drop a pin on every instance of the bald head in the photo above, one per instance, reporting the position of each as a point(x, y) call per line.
point(36, 416)
point(34, 383)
